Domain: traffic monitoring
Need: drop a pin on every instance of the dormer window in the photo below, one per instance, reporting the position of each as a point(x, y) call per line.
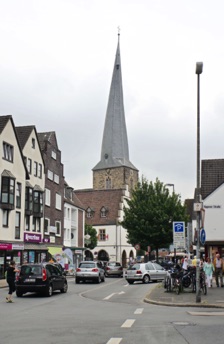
point(103, 212)
point(89, 212)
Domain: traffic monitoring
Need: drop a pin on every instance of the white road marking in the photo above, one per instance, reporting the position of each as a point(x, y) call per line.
point(128, 323)
point(139, 311)
point(122, 292)
point(207, 313)
point(114, 341)
point(109, 296)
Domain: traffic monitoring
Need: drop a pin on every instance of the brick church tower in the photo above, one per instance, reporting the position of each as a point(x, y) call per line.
point(113, 179)
point(114, 170)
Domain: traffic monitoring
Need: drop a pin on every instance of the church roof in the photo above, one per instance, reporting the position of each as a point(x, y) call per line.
point(114, 150)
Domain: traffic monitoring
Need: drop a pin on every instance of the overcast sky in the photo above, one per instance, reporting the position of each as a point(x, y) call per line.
point(56, 66)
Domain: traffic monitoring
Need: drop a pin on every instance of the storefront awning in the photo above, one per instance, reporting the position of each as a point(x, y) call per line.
point(54, 250)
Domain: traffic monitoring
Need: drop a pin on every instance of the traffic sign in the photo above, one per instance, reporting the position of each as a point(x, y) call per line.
point(137, 247)
point(202, 236)
point(179, 235)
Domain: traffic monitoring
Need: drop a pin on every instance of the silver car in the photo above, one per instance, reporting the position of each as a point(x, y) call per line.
point(89, 271)
point(145, 272)
point(114, 269)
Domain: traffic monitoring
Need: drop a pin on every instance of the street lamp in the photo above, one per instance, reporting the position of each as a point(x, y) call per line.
point(172, 185)
point(199, 67)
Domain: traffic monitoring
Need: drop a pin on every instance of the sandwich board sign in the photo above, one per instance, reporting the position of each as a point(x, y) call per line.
point(179, 240)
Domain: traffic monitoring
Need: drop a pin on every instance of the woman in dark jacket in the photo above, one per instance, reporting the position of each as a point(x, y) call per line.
point(11, 276)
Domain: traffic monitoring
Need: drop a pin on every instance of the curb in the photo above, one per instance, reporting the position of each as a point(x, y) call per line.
point(147, 299)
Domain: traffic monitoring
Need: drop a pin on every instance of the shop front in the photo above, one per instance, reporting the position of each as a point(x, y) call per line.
point(8, 252)
point(35, 250)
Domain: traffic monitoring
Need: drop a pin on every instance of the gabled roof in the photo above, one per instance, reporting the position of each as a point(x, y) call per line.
point(49, 136)
point(23, 134)
point(212, 176)
point(3, 121)
point(114, 150)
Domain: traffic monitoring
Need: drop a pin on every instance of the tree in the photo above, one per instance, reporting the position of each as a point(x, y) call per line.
point(149, 214)
point(91, 242)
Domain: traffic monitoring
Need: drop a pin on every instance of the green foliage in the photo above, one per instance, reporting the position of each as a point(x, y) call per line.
point(90, 243)
point(149, 215)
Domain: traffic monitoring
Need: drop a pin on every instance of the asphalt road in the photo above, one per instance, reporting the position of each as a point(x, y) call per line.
point(108, 313)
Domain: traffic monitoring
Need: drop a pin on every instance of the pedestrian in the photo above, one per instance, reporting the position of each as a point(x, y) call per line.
point(11, 276)
point(208, 269)
point(185, 264)
point(218, 266)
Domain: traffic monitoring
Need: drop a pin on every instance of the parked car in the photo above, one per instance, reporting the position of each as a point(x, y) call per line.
point(42, 278)
point(89, 271)
point(114, 269)
point(145, 272)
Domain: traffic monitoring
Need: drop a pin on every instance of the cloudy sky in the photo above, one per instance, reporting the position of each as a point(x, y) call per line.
point(56, 66)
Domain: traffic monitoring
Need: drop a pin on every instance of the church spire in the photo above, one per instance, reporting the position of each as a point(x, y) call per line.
point(114, 150)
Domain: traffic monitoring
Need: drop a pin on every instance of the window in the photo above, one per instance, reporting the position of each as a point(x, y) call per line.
point(27, 223)
point(89, 212)
point(103, 212)
point(29, 200)
point(18, 195)
point(37, 202)
point(5, 218)
point(47, 197)
point(46, 225)
point(33, 143)
point(50, 175)
point(58, 201)
point(8, 191)
point(108, 183)
point(56, 178)
point(29, 165)
point(40, 171)
point(8, 151)
point(36, 224)
point(35, 169)
point(102, 234)
point(53, 155)
point(17, 225)
point(58, 227)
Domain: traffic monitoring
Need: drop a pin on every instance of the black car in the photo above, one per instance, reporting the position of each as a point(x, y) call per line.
point(41, 278)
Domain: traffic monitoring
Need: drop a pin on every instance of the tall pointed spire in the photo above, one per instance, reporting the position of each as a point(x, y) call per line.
point(114, 150)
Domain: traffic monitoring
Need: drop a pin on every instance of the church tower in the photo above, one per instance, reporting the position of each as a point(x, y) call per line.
point(114, 170)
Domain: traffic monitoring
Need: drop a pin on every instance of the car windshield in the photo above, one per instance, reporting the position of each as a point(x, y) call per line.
point(30, 270)
point(87, 265)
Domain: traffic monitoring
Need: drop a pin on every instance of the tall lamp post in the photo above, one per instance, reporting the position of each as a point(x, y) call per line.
point(172, 185)
point(199, 67)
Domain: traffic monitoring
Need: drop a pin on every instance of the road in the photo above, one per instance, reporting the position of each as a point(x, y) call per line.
point(108, 313)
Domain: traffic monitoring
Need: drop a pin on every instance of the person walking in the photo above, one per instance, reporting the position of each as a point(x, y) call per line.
point(11, 276)
point(208, 269)
point(218, 266)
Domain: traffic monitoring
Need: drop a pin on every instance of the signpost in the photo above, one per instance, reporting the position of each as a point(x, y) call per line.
point(202, 236)
point(179, 240)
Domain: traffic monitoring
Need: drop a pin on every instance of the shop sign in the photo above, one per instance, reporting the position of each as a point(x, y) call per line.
point(17, 246)
point(78, 251)
point(7, 247)
point(46, 240)
point(52, 239)
point(31, 237)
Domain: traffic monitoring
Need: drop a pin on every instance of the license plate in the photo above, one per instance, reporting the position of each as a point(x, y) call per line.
point(30, 280)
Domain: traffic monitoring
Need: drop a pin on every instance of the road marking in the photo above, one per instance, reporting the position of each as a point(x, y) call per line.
point(108, 297)
point(128, 323)
point(122, 292)
point(206, 313)
point(139, 311)
point(114, 341)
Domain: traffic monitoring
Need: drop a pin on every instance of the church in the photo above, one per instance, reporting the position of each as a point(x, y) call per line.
point(114, 177)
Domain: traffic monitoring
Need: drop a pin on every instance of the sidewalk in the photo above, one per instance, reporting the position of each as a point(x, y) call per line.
point(159, 296)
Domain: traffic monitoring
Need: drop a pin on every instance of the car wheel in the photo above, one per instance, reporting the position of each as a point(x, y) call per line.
point(19, 293)
point(130, 281)
point(49, 291)
point(146, 279)
point(65, 288)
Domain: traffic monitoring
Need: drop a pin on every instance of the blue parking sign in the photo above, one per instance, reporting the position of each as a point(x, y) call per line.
point(178, 227)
